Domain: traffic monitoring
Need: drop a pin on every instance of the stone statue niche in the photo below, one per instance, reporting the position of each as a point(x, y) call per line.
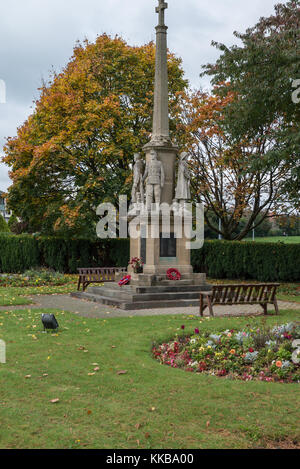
point(183, 192)
point(155, 180)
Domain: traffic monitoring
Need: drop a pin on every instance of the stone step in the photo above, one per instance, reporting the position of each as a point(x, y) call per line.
point(134, 297)
point(127, 305)
point(154, 289)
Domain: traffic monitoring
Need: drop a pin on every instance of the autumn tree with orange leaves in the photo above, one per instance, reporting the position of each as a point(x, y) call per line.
point(76, 149)
point(223, 174)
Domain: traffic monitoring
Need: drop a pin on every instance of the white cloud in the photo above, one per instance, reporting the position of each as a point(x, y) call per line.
point(35, 35)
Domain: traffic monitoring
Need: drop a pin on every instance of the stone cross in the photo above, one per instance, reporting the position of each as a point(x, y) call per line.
point(161, 11)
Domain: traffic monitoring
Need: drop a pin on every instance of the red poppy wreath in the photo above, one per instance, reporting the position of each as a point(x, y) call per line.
point(125, 280)
point(173, 274)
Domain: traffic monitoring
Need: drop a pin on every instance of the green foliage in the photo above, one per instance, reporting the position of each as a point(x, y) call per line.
point(18, 253)
point(266, 262)
point(76, 149)
point(261, 71)
point(4, 228)
point(12, 222)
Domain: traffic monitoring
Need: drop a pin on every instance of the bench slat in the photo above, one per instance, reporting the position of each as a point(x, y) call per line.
point(240, 294)
point(88, 275)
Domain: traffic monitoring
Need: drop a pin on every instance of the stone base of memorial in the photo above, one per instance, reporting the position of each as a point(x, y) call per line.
point(147, 291)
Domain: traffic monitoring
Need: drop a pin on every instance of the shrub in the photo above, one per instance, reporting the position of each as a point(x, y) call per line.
point(23, 252)
point(18, 253)
point(266, 262)
point(4, 228)
point(12, 222)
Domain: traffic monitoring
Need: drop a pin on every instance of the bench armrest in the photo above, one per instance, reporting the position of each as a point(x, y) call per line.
point(206, 293)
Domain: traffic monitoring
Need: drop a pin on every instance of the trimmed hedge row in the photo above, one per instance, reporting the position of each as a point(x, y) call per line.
point(267, 262)
point(19, 253)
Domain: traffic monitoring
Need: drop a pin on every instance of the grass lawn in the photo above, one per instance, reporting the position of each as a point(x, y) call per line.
point(150, 406)
point(10, 296)
point(14, 296)
point(277, 239)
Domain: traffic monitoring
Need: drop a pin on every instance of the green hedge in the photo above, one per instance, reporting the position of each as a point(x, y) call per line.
point(266, 262)
point(19, 253)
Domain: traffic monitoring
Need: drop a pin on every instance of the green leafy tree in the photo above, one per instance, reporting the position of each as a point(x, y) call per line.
point(76, 149)
point(237, 195)
point(262, 74)
point(12, 221)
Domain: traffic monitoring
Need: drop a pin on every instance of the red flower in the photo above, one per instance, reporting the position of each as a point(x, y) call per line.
point(124, 280)
point(202, 367)
point(197, 331)
point(173, 274)
point(251, 350)
point(183, 327)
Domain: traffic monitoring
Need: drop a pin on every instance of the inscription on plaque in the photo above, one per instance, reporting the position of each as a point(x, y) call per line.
point(168, 246)
point(143, 252)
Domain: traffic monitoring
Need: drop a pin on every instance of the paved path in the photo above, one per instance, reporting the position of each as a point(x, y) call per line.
point(91, 309)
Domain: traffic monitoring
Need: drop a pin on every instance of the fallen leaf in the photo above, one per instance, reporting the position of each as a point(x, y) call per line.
point(27, 376)
point(207, 424)
point(97, 368)
point(138, 426)
point(91, 374)
point(54, 401)
point(147, 435)
point(122, 372)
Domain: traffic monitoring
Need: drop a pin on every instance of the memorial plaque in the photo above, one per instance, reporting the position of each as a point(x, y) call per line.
point(143, 254)
point(168, 246)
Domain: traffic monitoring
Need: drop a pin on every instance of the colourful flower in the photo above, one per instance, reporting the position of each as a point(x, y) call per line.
point(279, 364)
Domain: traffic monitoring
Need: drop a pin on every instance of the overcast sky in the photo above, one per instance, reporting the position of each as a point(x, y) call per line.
point(38, 34)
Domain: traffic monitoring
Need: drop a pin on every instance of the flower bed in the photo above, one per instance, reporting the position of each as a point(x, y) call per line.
point(33, 278)
point(260, 353)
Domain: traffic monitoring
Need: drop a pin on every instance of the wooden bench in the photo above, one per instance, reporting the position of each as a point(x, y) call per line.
point(97, 275)
point(241, 294)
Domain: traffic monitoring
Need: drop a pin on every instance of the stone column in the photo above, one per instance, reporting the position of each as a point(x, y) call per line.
point(160, 130)
point(158, 259)
point(160, 139)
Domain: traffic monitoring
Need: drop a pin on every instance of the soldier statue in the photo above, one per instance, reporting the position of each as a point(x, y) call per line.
point(137, 194)
point(155, 177)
